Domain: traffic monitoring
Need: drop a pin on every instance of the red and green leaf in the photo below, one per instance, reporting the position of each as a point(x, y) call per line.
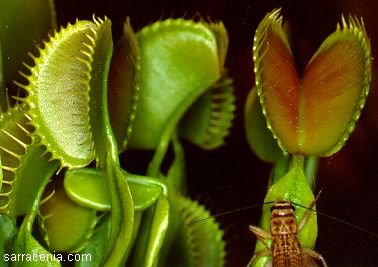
point(314, 115)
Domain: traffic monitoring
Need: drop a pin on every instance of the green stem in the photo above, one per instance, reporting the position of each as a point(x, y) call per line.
point(176, 172)
point(168, 131)
point(298, 161)
point(310, 170)
point(161, 150)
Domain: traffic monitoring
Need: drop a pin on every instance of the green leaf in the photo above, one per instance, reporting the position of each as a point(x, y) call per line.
point(14, 141)
point(144, 192)
point(314, 115)
point(123, 85)
point(68, 226)
point(158, 230)
point(26, 244)
point(122, 213)
point(209, 119)
point(23, 23)
point(151, 235)
point(196, 242)
point(99, 116)
point(26, 166)
point(87, 187)
point(96, 246)
point(221, 35)
point(67, 93)
point(259, 137)
point(152, 227)
point(58, 94)
point(35, 169)
point(179, 61)
point(8, 231)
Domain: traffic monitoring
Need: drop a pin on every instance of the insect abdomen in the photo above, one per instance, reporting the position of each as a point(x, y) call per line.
point(286, 251)
point(286, 248)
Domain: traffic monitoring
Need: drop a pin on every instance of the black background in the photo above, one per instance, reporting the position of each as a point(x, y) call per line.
point(232, 177)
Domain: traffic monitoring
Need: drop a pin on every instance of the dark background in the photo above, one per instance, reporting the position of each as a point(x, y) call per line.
point(232, 177)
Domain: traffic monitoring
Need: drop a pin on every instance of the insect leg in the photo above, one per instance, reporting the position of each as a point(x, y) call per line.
point(263, 253)
point(315, 255)
point(260, 234)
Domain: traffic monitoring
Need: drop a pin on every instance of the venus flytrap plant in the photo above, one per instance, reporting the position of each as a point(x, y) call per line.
point(167, 75)
point(166, 82)
point(78, 98)
point(309, 117)
point(82, 53)
point(26, 167)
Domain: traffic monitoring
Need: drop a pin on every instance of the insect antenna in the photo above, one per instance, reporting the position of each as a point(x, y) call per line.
point(349, 224)
point(221, 214)
point(234, 211)
point(339, 220)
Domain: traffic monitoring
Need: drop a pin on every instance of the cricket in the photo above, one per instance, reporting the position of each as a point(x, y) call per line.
point(286, 249)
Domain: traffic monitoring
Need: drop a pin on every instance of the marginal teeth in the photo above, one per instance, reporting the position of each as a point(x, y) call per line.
point(58, 93)
point(10, 152)
point(14, 140)
point(201, 236)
